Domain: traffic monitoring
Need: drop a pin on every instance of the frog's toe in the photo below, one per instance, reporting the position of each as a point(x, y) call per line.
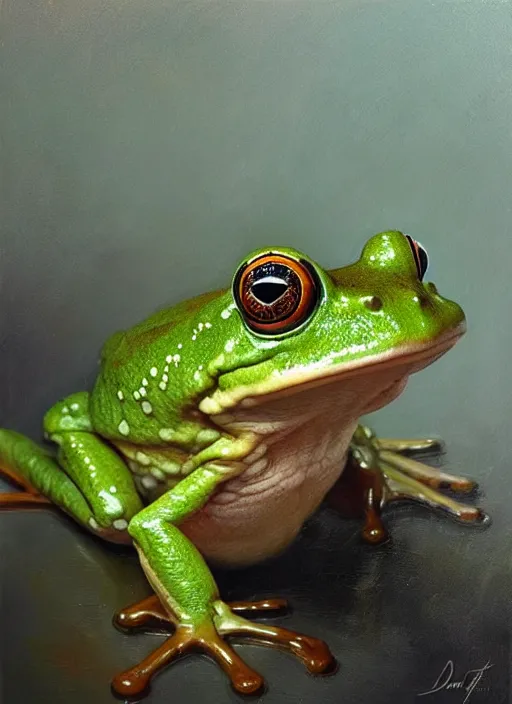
point(379, 471)
point(135, 681)
point(411, 446)
point(402, 486)
point(313, 653)
point(208, 638)
point(145, 613)
point(430, 476)
point(29, 497)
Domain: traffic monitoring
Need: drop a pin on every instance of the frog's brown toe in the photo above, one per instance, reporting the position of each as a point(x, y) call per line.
point(28, 498)
point(379, 472)
point(135, 682)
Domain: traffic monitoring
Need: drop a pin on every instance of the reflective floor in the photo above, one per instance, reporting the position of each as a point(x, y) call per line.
point(145, 148)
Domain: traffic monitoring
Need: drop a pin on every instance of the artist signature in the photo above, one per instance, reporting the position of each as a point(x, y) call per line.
point(468, 684)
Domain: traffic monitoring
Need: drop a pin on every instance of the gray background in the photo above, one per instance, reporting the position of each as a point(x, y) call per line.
point(146, 147)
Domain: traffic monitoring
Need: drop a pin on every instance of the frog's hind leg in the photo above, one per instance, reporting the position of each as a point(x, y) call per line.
point(87, 479)
point(29, 497)
point(380, 471)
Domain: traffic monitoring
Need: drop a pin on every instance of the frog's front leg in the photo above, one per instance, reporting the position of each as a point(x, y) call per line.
point(379, 471)
point(188, 598)
point(88, 479)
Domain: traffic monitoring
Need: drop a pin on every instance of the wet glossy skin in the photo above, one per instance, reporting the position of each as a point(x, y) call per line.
point(233, 428)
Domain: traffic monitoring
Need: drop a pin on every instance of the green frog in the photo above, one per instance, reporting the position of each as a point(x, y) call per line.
point(218, 426)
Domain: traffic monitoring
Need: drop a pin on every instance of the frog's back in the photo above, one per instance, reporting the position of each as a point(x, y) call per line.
point(142, 371)
point(125, 344)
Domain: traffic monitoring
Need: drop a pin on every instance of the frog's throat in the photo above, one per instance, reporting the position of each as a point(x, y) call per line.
point(417, 356)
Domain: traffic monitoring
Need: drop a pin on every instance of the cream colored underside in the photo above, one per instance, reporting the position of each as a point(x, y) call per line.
point(304, 440)
point(304, 435)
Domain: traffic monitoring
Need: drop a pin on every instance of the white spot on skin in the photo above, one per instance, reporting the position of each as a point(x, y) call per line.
point(229, 345)
point(75, 406)
point(165, 378)
point(168, 359)
point(180, 346)
point(171, 467)
point(113, 490)
point(194, 337)
point(142, 391)
point(197, 376)
point(136, 395)
point(120, 395)
point(124, 428)
point(73, 445)
point(142, 458)
point(162, 385)
point(158, 474)
point(87, 460)
point(147, 407)
point(219, 361)
point(200, 367)
point(145, 382)
point(93, 523)
point(225, 314)
point(176, 357)
point(166, 433)
point(120, 524)
point(149, 482)
point(166, 369)
point(207, 325)
point(200, 326)
point(153, 371)
point(112, 503)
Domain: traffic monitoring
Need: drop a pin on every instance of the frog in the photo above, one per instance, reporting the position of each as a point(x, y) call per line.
point(217, 427)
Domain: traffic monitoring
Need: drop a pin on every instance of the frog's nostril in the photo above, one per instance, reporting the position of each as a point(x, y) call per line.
point(425, 302)
point(373, 303)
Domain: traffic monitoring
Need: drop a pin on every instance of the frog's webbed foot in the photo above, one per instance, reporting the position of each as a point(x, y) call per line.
point(209, 638)
point(29, 497)
point(380, 471)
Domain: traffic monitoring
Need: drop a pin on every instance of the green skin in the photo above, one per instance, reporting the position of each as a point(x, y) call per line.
point(166, 385)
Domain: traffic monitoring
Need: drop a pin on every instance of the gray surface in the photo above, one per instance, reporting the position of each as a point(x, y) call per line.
point(145, 147)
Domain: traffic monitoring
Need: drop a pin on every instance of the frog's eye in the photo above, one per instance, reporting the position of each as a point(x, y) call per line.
point(420, 257)
point(275, 293)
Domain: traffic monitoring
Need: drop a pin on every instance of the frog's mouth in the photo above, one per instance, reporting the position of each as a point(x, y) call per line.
point(410, 358)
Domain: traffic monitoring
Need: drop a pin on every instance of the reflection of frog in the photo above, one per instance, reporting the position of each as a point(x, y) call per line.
point(217, 427)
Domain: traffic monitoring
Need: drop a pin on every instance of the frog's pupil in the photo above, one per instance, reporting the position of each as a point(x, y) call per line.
point(420, 257)
point(423, 257)
point(271, 292)
point(269, 289)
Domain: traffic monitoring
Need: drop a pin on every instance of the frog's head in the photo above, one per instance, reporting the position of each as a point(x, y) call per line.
point(294, 325)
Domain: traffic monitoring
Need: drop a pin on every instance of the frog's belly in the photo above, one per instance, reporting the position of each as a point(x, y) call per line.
point(257, 514)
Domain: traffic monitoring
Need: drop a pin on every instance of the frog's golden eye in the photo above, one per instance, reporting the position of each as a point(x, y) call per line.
point(275, 293)
point(420, 257)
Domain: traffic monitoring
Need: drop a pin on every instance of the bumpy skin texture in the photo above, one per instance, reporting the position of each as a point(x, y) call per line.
point(197, 415)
